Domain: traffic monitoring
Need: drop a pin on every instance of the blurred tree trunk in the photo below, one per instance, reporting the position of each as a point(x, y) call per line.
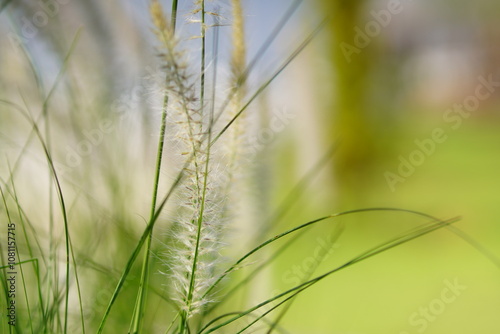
point(354, 116)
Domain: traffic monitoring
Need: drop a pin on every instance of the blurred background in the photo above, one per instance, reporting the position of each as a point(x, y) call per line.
point(392, 104)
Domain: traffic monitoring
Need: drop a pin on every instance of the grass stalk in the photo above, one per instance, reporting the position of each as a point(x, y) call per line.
point(142, 293)
point(187, 313)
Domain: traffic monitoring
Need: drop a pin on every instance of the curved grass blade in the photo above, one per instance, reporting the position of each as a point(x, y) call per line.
point(476, 245)
point(300, 227)
point(267, 322)
point(430, 227)
point(374, 251)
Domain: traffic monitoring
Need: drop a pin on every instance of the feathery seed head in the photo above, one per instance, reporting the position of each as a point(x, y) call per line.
point(158, 17)
point(238, 60)
point(202, 195)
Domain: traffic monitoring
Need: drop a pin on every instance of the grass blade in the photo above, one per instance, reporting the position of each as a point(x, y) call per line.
point(142, 294)
point(285, 64)
point(434, 225)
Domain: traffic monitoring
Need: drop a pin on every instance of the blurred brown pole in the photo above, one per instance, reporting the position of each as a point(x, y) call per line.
point(349, 114)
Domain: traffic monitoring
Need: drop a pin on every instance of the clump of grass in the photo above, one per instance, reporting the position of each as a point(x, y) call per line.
point(208, 138)
point(193, 265)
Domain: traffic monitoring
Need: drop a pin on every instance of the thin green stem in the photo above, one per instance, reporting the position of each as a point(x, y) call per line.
point(186, 316)
point(142, 294)
point(215, 58)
